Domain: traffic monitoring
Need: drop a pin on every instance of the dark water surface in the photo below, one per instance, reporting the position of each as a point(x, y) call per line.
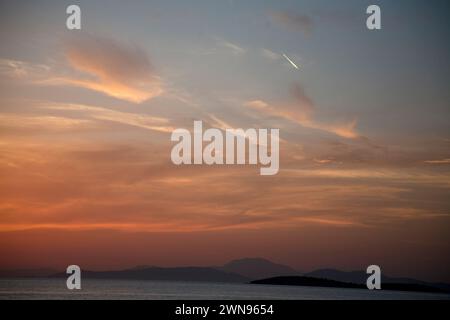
point(162, 290)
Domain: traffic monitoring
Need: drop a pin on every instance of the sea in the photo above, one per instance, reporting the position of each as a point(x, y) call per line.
point(49, 289)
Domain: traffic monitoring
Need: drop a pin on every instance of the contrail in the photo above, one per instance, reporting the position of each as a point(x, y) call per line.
point(290, 61)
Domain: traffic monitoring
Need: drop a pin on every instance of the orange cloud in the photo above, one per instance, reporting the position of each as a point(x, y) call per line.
point(118, 70)
point(101, 64)
point(441, 161)
point(55, 185)
point(302, 112)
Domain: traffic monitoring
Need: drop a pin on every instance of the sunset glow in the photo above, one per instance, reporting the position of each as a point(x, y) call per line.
point(86, 118)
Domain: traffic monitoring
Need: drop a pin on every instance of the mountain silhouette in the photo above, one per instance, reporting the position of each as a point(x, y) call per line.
point(27, 273)
point(359, 277)
point(238, 271)
point(168, 274)
point(258, 268)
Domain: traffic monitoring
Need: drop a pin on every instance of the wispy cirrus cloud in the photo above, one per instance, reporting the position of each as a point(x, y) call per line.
point(234, 48)
point(303, 112)
point(269, 54)
point(42, 122)
point(439, 161)
point(22, 69)
point(133, 119)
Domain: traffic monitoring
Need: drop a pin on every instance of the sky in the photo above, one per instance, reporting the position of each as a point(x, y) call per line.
point(86, 118)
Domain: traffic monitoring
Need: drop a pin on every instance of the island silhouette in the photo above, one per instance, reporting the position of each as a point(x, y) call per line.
point(258, 271)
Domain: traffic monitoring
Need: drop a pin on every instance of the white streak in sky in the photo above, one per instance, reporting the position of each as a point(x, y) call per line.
point(290, 61)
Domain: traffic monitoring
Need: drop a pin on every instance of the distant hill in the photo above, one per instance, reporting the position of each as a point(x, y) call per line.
point(258, 268)
point(240, 270)
point(320, 282)
point(353, 276)
point(360, 277)
point(172, 274)
point(307, 282)
point(27, 273)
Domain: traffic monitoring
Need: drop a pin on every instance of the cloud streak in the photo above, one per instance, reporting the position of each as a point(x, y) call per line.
point(302, 112)
point(269, 54)
point(47, 123)
point(232, 47)
point(22, 69)
point(137, 120)
point(441, 161)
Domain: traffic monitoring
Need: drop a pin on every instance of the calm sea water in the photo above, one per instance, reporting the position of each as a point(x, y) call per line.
point(161, 290)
